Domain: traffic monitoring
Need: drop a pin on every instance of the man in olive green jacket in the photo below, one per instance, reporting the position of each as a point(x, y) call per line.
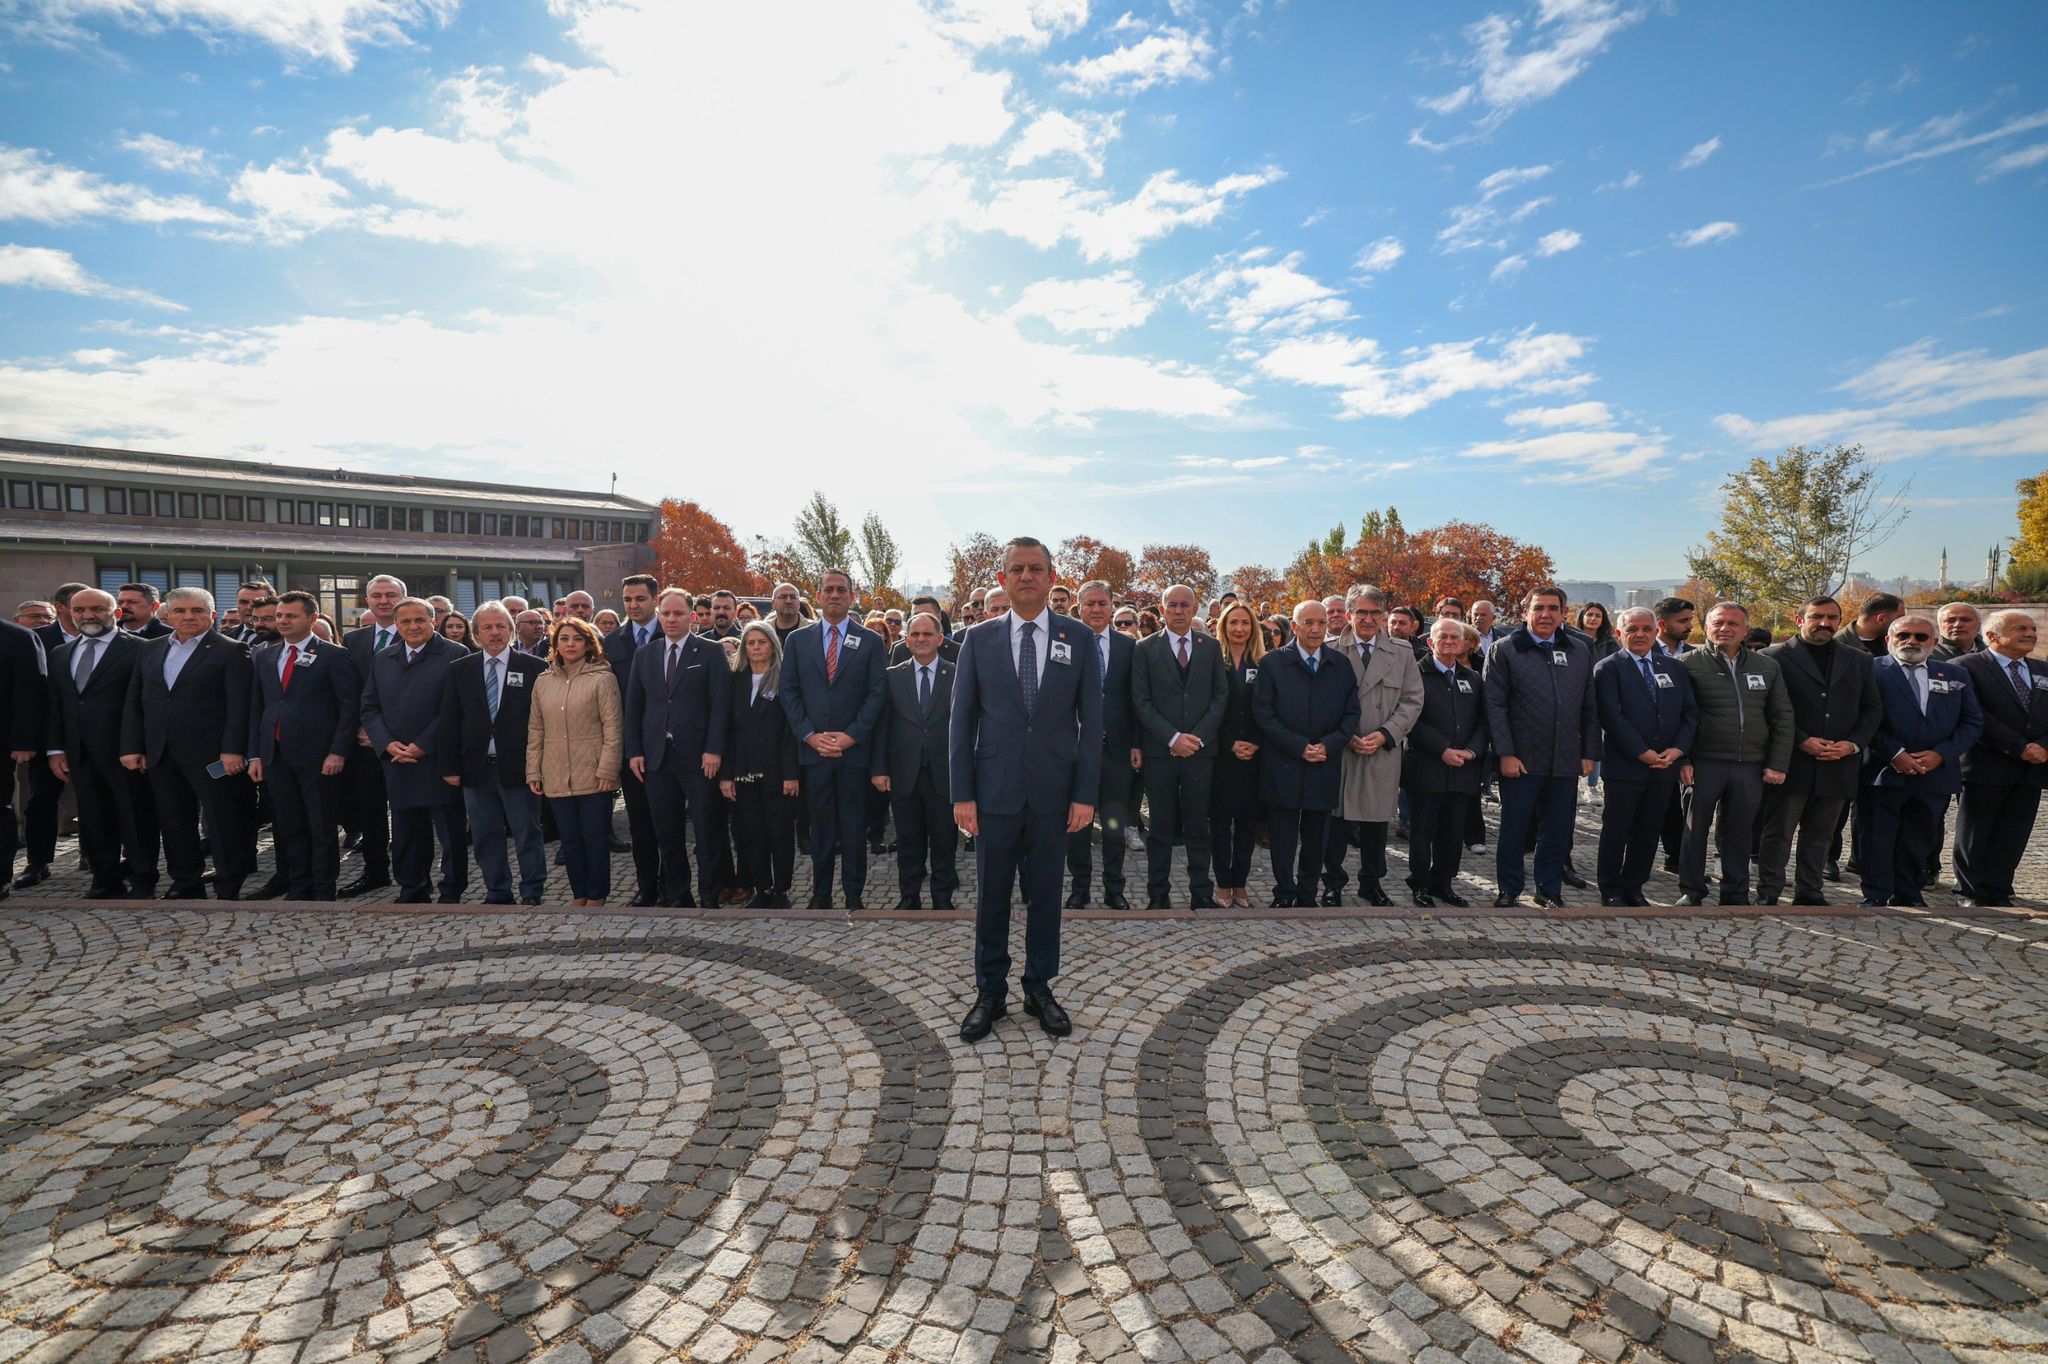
point(1744, 744)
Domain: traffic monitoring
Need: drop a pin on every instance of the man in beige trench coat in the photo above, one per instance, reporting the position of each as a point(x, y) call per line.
point(1389, 702)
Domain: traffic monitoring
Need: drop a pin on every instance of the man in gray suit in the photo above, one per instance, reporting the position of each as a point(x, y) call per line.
point(911, 762)
point(1389, 703)
point(1178, 695)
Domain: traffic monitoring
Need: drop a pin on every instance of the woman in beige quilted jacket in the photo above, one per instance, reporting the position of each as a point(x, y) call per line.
point(575, 740)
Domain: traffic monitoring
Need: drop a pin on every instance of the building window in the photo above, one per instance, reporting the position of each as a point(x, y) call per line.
point(414, 517)
point(305, 513)
point(138, 501)
point(343, 515)
point(47, 495)
point(21, 494)
point(362, 517)
point(209, 506)
point(604, 533)
point(234, 507)
point(326, 514)
point(476, 523)
point(188, 508)
point(284, 511)
point(588, 533)
point(490, 523)
point(440, 523)
point(505, 524)
point(74, 497)
point(117, 501)
point(380, 519)
point(256, 508)
point(559, 534)
point(166, 504)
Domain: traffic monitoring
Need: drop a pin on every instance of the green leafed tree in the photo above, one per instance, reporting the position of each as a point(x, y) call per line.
point(877, 555)
point(1794, 526)
point(819, 540)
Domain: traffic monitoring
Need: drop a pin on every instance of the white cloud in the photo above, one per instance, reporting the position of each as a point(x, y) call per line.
point(1627, 182)
point(1101, 307)
point(1256, 296)
point(1219, 462)
point(45, 191)
point(1027, 23)
point(1518, 62)
point(289, 201)
point(318, 30)
point(1939, 128)
point(1699, 154)
point(165, 154)
point(1558, 242)
point(42, 267)
point(1575, 456)
point(1370, 385)
point(1083, 136)
point(1478, 224)
point(1378, 256)
point(2026, 123)
point(1574, 414)
point(1706, 235)
point(1045, 212)
point(2024, 159)
point(1507, 267)
point(1167, 57)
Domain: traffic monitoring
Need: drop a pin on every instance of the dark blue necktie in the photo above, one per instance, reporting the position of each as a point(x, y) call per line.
point(1310, 659)
point(1027, 667)
point(1649, 676)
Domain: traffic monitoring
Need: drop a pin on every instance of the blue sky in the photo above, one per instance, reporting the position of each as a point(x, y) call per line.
point(1229, 273)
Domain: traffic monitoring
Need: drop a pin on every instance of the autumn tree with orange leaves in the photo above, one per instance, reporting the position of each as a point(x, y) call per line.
point(696, 551)
point(1258, 586)
point(1460, 559)
point(1083, 558)
point(1161, 566)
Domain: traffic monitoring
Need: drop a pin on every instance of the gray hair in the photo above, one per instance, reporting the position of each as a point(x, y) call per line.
point(191, 594)
point(1621, 616)
point(1999, 621)
point(496, 608)
point(1920, 616)
point(1301, 606)
point(1364, 592)
point(739, 658)
point(404, 602)
point(398, 583)
point(1963, 606)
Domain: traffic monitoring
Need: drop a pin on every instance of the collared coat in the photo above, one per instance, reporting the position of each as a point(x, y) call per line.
point(1389, 699)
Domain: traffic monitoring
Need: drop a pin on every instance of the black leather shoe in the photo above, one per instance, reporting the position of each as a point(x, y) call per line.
point(1421, 899)
point(269, 890)
point(411, 897)
point(1548, 901)
point(363, 885)
point(779, 902)
point(1077, 899)
point(32, 875)
point(854, 902)
point(1401, 833)
point(1043, 1007)
point(908, 902)
point(1612, 902)
point(498, 900)
point(1809, 899)
point(106, 892)
point(1282, 902)
point(1332, 899)
point(1114, 899)
point(761, 900)
point(643, 900)
point(1692, 899)
point(193, 893)
point(1453, 899)
point(620, 845)
point(1506, 901)
point(446, 898)
point(1833, 871)
point(981, 1019)
point(944, 902)
point(1671, 863)
point(876, 847)
point(1156, 902)
point(820, 900)
point(1204, 902)
point(1573, 879)
point(1375, 895)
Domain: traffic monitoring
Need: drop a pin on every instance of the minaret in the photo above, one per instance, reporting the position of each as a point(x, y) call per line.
point(1944, 566)
point(1991, 568)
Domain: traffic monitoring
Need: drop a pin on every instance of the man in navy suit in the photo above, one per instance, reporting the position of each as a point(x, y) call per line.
point(831, 687)
point(1121, 755)
point(1648, 717)
point(1026, 753)
point(1913, 766)
point(911, 764)
point(365, 802)
point(1835, 714)
point(483, 754)
point(1178, 694)
point(2003, 775)
point(138, 603)
point(89, 680)
point(1305, 703)
point(678, 710)
point(308, 705)
point(402, 712)
point(187, 725)
point(40, 814)
point(24, 702)
point(636, 598)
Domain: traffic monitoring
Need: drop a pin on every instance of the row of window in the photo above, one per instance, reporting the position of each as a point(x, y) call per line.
point(339, 595)
point(27, 495)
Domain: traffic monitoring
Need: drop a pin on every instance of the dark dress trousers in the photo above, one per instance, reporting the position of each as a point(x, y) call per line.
point(402, 704)
point(1117, 787)
point(910, 744)
point(1023, 765)
point(1169, 699)
point(180, 731)
point(365, 804)
point(1902, 815)
point(849, 701)
point(1296, 704)
point(1439, 795)
point(760, 756)
point(1539, 700)
point(25, 694)
point(489, 754)
point(2001, 791)
point(44, 793)
point(116, 814)
point(619, 648)
point(1834, 696)
point(1234, 807)
point(292, 730)
point(1638, 717)
point(675, 718)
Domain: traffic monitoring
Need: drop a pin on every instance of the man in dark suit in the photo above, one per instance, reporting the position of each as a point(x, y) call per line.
point(1648, 718)
point(402, 712)
point(1306, 705)
point(40, 815)
point(138, 605)
point(186, 724)
point(1178, 693)
point(678, 712)
point(1835, 714)
point(24, 701)
point(308, 705)
point(949, 648)
point(483, 754)
point(1121, 756)
point(831, 688)
point(911, 764)
point(1914, 764)
point(1443, 766)
point(365, 801)
point(636, 599)
point(89, 681)
point(2004, 773)
point(1025, 744)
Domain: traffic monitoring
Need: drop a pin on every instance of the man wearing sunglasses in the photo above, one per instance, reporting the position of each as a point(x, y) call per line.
point(1914, 765)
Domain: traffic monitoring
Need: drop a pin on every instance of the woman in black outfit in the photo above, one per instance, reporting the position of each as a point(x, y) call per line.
point(1234, 808)
point(760, 775)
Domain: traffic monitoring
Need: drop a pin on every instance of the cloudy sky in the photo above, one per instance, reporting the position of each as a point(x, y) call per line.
point(1224, 272)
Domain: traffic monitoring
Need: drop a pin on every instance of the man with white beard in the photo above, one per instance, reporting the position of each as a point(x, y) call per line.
point(1914, 765)
point(89, 678)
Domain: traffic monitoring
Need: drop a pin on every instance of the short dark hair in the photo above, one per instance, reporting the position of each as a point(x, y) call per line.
point(1759, 637)
point(1822, 600)
point(1442, 602)
point(1026, 542)
point(268, 600)
point(66, 591)
point(146, 589)
point(825, 573)
point(261, 585)
point(305, 599)
point(1671, 606)
point(1409, 612)
point(1544, 590)
point(726, 593)
point(922, 598)
point(645, 580)
point(1877, 603)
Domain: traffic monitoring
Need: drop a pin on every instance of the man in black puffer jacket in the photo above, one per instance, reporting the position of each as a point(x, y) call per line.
point(1540, 713)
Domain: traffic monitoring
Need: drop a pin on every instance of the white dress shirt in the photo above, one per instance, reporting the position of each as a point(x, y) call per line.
point(177, 656)
point(304, 646)
point(1039, 640)
point(760, 681)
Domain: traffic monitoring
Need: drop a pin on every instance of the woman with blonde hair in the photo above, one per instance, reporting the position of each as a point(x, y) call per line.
point(760, 772)
point(1234, 806)
point(575, 741)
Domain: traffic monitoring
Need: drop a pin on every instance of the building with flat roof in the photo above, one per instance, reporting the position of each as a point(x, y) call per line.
point(76, 513)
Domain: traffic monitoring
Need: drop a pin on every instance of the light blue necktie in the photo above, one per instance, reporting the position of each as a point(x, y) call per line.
point(1027, 667)
point(491, 686)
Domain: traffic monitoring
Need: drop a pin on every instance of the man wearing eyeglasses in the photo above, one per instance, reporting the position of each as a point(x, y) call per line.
point(2004, 774)
point(1914, 765)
